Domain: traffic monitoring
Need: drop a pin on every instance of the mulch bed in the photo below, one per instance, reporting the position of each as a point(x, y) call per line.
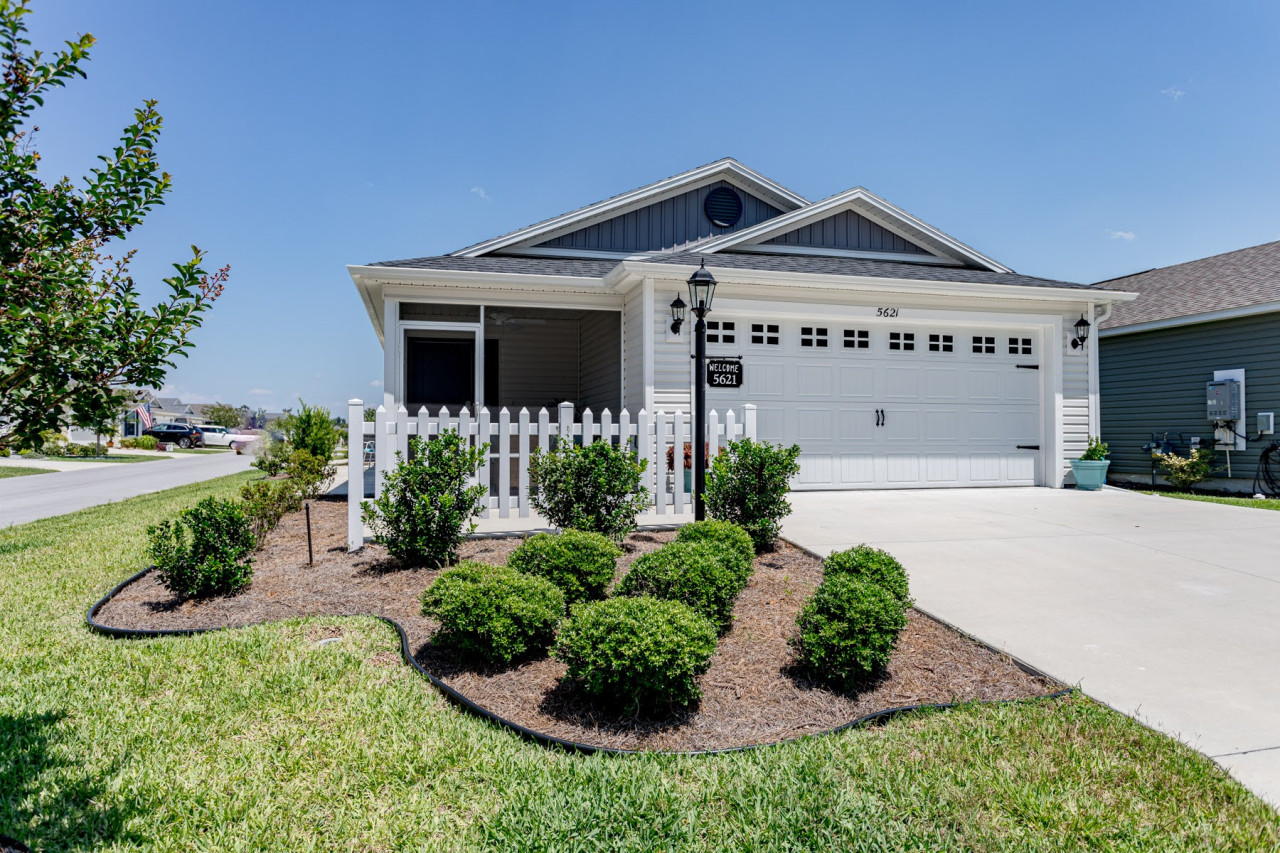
point(751, 694)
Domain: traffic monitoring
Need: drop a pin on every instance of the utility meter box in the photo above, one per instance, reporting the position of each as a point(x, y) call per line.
point(1224, 400)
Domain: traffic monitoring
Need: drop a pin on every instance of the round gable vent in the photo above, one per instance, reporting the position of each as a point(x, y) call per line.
point(723, 207)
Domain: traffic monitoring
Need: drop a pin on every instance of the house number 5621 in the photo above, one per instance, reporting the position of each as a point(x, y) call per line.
point(886, 312)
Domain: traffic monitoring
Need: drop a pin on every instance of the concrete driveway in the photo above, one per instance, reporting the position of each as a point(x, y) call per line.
point(1167, 610)
point(24, 499)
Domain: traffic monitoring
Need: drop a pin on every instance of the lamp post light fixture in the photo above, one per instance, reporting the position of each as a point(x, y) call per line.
point(1082, 333)
point(677, 314)
point(702, 289)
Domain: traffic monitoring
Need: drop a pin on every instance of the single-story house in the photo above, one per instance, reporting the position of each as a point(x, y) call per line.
point(895, 355)
point(1217, 318)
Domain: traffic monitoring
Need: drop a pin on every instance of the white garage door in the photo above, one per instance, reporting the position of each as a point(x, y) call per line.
point(888, 406)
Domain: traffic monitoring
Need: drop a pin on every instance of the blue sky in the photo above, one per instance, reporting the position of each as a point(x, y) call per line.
point(1077, 141)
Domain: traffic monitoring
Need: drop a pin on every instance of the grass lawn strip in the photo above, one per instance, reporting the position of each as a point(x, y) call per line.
point(261, 738)
point(23, 471)
point(1252, 503)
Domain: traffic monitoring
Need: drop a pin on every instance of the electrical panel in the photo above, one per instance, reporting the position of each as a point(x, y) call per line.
point(1266, 423)
point(1224, 400)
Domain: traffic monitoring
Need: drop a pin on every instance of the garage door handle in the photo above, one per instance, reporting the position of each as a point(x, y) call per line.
point(1028, 447)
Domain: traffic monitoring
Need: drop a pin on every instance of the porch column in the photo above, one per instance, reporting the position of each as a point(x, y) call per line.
point(391, 353)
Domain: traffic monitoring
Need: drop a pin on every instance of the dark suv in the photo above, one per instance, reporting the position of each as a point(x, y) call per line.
point(183, 435)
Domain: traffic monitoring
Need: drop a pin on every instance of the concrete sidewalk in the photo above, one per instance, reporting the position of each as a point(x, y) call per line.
point(1165, 609)
point(24, 499)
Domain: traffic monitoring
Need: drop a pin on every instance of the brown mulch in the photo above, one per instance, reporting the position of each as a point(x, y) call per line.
point(751, 694)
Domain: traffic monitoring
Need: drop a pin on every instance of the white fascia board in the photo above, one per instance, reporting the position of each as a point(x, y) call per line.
point(1193, 319)
point(860, 200)
point(728, 169)
point(630, 273)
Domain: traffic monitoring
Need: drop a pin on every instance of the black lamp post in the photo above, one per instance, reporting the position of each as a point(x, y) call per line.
point(1082, 333)
point(702, 288)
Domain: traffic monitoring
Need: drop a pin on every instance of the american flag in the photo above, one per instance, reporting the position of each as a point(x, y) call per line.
point(144, 415)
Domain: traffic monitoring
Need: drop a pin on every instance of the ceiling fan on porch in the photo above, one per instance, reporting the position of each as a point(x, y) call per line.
point(505, 318)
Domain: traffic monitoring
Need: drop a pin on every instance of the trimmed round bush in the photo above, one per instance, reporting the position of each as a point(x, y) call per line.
point(733, 542)
point(694, 573)
point(206, 551)
point(848, 630)
point(581, 564)
point(872, 565)
point(494, 613)
point(643, 653)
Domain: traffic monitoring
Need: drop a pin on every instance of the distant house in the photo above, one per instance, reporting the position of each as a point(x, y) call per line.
point(895, 355)
point(1215, 318)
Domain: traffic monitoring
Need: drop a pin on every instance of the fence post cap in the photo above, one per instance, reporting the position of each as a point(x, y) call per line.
point(381, 408)
point(400, 408)
point(355, 402)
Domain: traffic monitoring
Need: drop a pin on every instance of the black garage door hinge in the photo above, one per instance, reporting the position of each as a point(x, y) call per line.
point(1028, 447)
point(1027, 366)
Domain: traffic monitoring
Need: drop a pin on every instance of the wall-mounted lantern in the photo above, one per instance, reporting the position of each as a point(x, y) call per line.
point(677, 314)
point(1082, 333)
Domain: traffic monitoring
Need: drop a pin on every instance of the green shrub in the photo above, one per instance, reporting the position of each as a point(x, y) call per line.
point(494, 613)
point(310, 429)
point(266, 502)
point(309, 474)
point(848, 630)
point(128, 443)
point(581, 564)
point(270, 455)
point(699, 574)
point(1184, 472)
point(871, 565)
point(748, 485)
point(427, 507)
point(145, 442)
point(641, 653)
point(1097, 450)
point(205, 551)
point(733, 542)
point(594, 488)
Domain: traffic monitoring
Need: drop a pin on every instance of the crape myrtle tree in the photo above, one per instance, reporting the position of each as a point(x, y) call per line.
point(225, 415)
point(75, 342)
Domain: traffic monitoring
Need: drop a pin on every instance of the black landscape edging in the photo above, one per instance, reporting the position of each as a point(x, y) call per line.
point(7, 843)
point(550, 740)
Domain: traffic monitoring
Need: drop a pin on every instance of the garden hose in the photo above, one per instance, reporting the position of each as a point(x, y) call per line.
point(1267, 479)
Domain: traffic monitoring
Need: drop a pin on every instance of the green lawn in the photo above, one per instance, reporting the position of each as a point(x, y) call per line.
point(1255, 503)
point(199, 450)
point(114, 457)
point(22, 471)
point(259, 739)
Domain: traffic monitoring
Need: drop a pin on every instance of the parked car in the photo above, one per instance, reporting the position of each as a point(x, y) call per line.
point(220, 436)
point(183, 435)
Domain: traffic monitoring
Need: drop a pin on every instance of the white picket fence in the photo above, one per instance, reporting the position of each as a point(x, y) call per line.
point(505, 474)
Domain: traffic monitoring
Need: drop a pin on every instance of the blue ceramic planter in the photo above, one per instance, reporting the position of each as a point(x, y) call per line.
point(1090, 475)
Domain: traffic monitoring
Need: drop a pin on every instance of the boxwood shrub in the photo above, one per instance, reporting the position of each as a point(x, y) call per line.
point(582, 564)
point(642, 653)
point(848, 630)
point(698, 574)
point(494, 613)
point(733, 542)
point(205, 551)
point(748, 484)
point(873, 565)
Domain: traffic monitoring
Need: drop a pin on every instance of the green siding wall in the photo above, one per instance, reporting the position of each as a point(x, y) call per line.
point(1155, 382)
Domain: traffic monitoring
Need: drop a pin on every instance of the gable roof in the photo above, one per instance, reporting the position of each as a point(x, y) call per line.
point(726, 169)
point(1232, 280)
point(865, 203)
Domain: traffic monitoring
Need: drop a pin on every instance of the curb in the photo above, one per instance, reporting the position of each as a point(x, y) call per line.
point(550, 740)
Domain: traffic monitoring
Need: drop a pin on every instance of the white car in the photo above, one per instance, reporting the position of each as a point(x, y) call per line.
point(220, 436)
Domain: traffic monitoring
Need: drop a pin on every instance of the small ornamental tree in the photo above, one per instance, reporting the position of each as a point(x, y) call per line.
point(223, 415)
point(594, 488)
point(427, 507)
point(1185, 472)
point(310, 429)
point(748, 485)
point(75, 342)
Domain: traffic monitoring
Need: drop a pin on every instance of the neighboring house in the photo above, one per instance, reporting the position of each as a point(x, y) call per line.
point(893, 354)
point(1218, 315)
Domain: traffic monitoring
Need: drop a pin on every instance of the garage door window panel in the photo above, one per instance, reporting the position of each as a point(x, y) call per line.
point(765, 334)
point(721, 332)
point(813, 337)
point(902, 341)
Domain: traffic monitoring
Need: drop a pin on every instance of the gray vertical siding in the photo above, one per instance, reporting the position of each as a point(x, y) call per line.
point(668, 224)
point(1154, 382)
point(847, 230)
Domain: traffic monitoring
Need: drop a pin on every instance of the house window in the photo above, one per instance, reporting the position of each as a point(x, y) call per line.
point(720, 332)
point(764, 334)
point(982, 345)
point(1019, 346)
point(941, 343)
point(813, 336)
point(902, 341)
point(857, 339)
